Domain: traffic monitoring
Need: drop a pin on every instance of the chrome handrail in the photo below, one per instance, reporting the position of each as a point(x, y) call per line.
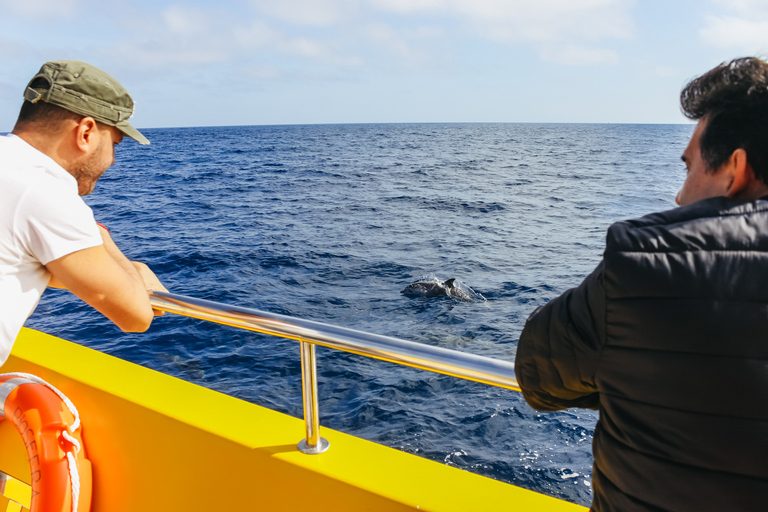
point(482, 369)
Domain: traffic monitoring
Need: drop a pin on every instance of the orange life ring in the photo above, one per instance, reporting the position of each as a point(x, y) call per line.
point(48, 424)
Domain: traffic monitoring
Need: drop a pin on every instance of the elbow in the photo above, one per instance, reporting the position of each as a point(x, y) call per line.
point(138, 322)
point(137, 327)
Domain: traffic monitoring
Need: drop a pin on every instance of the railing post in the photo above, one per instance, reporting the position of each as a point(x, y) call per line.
point(313, 443)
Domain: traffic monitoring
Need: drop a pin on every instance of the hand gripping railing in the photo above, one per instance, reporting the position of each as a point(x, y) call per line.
point(441, 360)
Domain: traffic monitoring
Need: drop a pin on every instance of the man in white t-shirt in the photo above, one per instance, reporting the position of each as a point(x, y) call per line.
point(72, 117)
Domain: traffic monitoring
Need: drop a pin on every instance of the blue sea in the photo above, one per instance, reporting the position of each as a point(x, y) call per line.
point(331, 222)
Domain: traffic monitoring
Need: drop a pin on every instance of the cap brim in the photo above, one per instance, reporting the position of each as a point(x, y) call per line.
point(132, 132)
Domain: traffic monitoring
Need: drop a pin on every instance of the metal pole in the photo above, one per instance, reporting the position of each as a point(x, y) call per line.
point(483, 369)
point(486, 370)
point(313, 443)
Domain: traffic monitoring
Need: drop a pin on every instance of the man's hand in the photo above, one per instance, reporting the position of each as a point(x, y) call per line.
point(151, 281)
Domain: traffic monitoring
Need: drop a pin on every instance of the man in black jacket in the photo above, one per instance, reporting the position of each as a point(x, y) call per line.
point(668, 337)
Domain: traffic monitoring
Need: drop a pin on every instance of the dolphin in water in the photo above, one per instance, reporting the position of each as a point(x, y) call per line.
point(434, 289)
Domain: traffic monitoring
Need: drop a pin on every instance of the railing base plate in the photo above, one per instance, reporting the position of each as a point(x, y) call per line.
point(322, 446)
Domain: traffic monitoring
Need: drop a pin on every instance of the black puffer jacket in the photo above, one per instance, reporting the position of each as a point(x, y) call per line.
point(668, 338)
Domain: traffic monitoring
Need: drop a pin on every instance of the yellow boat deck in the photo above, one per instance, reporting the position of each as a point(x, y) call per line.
point(159, 443)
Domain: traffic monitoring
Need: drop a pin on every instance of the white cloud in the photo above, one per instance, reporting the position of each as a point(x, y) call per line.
point(187, 35)
point(179, 20)
point(731, 32)
point(575, 55)
point(666, 71)
point(254, 35)
point(410, 6)
point(571, 27)
point(41, 9)
point(524, 20)
point(343, 33)
point(262, 73)
point(563, 31)
point(319, 13)
point(180, 36)
point(744, 6)
point(739, 24)
point(408, 46)
point(304, 47)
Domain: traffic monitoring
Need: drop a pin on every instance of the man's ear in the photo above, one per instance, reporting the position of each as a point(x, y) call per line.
point(85, 133)
point(742, 175)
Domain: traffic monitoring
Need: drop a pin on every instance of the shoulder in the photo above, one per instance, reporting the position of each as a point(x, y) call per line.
point(35, 189)
point(15, 151)
point(716, 223)
point(26, 171)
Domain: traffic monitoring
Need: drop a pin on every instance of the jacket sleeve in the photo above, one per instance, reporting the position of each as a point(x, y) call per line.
point(559, 349)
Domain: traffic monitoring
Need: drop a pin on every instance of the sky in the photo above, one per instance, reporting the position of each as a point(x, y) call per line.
point(264, 62)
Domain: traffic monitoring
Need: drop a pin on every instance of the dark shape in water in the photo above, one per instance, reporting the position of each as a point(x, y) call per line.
point(433, 289)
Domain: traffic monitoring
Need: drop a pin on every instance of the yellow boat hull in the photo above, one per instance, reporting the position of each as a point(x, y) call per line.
point(160, 443)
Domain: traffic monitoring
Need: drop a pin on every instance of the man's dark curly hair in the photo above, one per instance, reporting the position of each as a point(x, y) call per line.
point(733, 100)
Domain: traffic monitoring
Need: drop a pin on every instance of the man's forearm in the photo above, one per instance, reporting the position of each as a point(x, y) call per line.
point(119, 257)
point(138, 271)
point(559, 348)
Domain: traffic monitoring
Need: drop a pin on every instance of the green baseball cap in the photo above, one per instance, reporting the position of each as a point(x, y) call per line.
point(85, 90)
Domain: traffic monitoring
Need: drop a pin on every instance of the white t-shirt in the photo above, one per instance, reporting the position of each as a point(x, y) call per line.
point(42, 218)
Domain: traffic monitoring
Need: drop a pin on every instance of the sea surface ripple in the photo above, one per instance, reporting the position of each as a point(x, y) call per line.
point(330, 222)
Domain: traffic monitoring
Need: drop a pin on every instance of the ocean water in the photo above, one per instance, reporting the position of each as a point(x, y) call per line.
point(331, 222)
